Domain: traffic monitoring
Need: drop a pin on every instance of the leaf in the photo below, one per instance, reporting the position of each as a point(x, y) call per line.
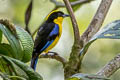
point(17, 70)
point(77, 6)
point(26, 42)
point(81, 76)
point(0, 36)
point(28, 15)
point(6, 49)
point(111, 31)
point(14, 42)
point(4, 76)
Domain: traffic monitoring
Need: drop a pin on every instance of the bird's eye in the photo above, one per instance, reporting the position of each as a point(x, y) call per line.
point(59, 14)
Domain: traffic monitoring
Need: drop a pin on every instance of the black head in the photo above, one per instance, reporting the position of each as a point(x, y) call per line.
point(55, 14)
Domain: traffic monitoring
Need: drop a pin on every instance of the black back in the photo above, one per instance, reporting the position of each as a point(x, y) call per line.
point(43, 36)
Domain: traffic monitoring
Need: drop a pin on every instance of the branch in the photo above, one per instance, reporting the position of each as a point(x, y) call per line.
point(53, 55)
point(60, 4)
point(110, 67)
point(72, 66)
point(97, 20)
point(28, 17)
point(74, 22)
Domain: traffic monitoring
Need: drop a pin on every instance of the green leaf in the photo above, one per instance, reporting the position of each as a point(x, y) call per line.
point(26, 42)
point(111, 31)
point(6, 49)
point(81, 76)
point(75, 7)
point(21, 43)
point(14, 42)
point(16, 70)
point(0, 36)
point(4, 76)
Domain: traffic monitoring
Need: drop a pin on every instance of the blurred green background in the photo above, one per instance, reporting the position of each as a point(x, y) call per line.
point(99, 53)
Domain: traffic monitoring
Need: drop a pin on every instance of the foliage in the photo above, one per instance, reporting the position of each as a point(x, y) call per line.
point(111, 31)
point(21, 43)
point(26, 42)
point(76, 7)
point(13, 55)
point(15, 69)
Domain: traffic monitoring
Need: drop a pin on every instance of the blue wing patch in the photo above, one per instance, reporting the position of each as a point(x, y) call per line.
point(47, 45)
point(55, 30)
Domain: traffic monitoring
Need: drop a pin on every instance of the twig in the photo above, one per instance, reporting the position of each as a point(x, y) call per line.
point(28, 16)
point(53, 55)
point(74, 22)
point(97, 20)
point(60, 4)
point(110, 67)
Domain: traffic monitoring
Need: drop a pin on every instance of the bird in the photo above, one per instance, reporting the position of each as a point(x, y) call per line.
point(48, 35)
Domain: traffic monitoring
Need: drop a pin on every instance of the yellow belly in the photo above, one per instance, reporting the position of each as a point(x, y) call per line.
point(52, 45)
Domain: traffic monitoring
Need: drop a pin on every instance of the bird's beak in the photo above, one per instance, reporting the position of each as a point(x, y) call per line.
point(66, 15)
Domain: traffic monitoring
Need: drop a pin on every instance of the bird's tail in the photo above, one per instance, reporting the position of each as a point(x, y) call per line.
point(34, 62)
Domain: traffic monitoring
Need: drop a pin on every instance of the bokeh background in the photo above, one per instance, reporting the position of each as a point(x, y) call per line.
point(99, 53)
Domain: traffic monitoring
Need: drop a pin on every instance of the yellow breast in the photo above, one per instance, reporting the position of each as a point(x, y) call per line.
point(59, 22)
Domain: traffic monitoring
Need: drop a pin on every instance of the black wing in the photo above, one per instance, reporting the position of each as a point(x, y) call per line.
point(43, 36)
